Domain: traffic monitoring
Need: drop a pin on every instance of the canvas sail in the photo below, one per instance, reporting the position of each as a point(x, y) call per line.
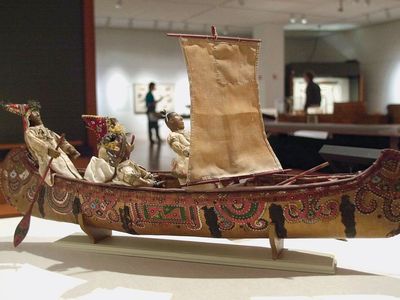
point(227, 130)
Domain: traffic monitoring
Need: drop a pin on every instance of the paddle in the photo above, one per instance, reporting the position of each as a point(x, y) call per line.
point(23, 226)
point(294, 178)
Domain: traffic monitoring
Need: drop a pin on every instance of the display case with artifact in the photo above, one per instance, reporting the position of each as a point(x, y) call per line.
point(235, 186)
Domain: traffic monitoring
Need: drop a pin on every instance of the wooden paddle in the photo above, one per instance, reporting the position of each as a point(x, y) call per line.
point(23, 226)
point(294, 178)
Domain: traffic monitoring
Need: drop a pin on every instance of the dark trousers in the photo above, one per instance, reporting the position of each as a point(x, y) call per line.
point(153, 125)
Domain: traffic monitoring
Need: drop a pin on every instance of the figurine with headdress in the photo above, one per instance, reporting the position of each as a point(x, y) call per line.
point(114, 149)
point(42, 142)
point(99, 169)
point(179, 141)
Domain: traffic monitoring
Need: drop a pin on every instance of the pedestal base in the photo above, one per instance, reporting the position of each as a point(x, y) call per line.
point(201, 252)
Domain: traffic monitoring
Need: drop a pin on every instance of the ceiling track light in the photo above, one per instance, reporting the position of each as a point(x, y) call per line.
point(304, 20)
point(292, 19)
point(118, 5)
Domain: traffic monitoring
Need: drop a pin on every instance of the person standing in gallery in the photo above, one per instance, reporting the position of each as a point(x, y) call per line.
point(151, 112)
point(313, 92)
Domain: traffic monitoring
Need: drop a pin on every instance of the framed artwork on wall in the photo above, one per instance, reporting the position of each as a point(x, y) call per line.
point(164, 90)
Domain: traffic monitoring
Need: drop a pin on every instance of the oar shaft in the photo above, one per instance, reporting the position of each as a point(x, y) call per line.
point(312, 170)
point(23, 226)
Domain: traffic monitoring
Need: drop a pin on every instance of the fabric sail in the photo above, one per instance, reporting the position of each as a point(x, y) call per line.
point(227, 130)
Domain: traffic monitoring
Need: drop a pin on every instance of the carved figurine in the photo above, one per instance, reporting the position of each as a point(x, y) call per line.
point(98, 170)
point(179, 141)
point(42, 143)
point(114, 150)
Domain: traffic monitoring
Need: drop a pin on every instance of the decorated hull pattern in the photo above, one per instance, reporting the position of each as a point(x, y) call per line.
point(366, 205)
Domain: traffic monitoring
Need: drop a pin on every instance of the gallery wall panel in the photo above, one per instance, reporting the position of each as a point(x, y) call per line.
point(42, 58)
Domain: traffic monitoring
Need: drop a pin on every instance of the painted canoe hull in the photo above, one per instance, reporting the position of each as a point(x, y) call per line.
point(366, 205)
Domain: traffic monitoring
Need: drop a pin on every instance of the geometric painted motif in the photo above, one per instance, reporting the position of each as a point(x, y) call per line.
point(100, 205)
point(18, 176)
point(167, 214)
point(382, 187)
point(241, 212)
point(59, 199)
point(310, 210)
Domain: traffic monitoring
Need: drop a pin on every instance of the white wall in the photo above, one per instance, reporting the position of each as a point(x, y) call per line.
point(271, 67)
point(377, 48)
point(125, 57)
point(310, 49)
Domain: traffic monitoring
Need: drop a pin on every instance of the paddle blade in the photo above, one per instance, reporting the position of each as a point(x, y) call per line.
point(22, 229)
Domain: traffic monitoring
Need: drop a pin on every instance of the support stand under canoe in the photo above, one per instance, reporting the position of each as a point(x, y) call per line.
point(228, 253)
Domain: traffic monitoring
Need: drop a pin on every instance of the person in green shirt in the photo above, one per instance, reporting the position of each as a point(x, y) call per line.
point(151, 112)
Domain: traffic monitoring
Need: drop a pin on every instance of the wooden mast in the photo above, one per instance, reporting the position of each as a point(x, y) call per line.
point(214, 36)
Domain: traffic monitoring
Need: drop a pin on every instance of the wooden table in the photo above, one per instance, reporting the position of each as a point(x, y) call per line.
point(392, 131)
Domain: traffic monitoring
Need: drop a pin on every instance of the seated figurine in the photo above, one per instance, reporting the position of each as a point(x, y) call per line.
point(98, 170)
point(115, 150)
point(179, 141)
point(42, 143)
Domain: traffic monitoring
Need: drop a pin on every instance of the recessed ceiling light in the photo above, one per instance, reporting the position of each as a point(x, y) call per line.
point(292, 19)
point(304, 20)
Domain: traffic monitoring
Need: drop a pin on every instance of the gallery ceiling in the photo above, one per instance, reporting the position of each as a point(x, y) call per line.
point(239, 16)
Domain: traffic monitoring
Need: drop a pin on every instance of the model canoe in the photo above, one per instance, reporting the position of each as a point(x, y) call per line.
point(228, 143)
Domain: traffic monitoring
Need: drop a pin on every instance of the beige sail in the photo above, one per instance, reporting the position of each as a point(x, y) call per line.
point(227, 131)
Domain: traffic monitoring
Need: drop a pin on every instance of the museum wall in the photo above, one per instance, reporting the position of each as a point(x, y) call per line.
point(126, 57)
point(41, 58)
point(310, 49)
point(376, 48)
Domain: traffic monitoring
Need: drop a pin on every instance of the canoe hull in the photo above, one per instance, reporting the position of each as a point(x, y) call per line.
point(367, 205)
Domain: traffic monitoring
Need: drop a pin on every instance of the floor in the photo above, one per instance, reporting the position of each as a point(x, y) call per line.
point(151, 156)
point(367, 269)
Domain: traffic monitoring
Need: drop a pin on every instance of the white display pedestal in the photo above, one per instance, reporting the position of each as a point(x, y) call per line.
point(202, 252)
